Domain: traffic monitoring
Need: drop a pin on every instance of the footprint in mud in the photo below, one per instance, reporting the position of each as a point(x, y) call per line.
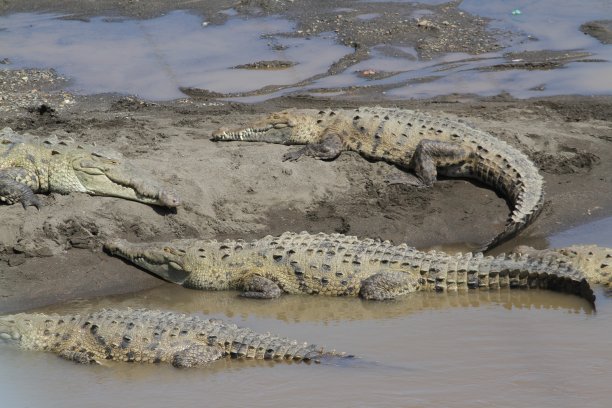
point(565, 162)
point(553, 158)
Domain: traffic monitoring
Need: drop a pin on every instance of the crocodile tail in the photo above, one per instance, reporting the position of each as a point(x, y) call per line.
point(512, 227)
point(593, 261)
point(520, 271)
point(514, 175)
point(289, 350)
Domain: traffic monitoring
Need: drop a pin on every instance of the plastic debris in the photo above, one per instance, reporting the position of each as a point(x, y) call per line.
point(516, 12)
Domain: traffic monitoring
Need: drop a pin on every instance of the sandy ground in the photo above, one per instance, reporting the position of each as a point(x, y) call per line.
point(244, 190)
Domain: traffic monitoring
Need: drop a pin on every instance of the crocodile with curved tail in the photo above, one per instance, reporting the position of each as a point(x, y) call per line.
point(424, 144)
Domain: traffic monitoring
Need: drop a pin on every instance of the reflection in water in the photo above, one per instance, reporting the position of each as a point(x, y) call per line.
point(324, 309)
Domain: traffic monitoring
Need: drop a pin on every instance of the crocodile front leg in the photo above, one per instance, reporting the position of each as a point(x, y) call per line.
point(388, 285)
point(78, 357)
point(329, 148)
point(258, 287)
point(14, 187)
point(429, 152)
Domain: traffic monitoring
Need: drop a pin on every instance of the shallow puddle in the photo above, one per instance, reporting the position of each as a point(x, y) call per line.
point(154, 58)
point(596, 232)
point(548, 25)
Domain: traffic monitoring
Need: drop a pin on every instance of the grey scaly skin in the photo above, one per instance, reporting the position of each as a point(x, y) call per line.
point(593, 261)
point(27, 168)
point(340, 265)
point(424, 144)
point(149, 336)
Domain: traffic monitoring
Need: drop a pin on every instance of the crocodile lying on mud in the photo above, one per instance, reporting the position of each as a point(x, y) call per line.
point(149, 336)
point(340, 265)
point(27, 168)
point(424, 144)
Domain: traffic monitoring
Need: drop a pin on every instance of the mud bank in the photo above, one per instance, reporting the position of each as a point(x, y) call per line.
point(245, 190)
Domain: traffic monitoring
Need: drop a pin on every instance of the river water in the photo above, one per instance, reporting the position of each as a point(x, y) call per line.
point(475, 349)
point(508, 349)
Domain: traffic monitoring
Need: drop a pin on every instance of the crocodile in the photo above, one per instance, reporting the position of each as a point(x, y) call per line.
point(593, 261)
point(340, 265)
point(423, 144)
point(28, 168)
point(149, 336)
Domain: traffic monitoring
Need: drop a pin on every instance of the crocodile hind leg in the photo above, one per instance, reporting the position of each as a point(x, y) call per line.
point(194, 356)
point(430, 152)
point(404, 178)
point(258, 287)
point(329, 148)
point(14, 187)
point(388, 285)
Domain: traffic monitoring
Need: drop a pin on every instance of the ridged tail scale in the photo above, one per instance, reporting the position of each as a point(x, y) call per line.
point(506, 170)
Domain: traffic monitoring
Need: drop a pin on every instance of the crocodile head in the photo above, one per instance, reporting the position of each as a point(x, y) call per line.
point(10, 330)
point(166, 260)
point(291, 126)
point(92, 174)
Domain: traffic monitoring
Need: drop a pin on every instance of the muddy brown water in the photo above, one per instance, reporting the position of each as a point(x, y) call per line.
point(475, 349)
point(508, 349)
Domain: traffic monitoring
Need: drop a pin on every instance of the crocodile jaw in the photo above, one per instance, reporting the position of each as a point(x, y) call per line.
point(163, 260)
point(268, 133)
point(104, 177)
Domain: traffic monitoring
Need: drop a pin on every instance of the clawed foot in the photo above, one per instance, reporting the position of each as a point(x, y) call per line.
point(292, 156)
point(31, 201)
point(405, 179)
point(13, 191)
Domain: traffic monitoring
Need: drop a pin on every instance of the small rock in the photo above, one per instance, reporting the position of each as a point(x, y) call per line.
point(16, 259)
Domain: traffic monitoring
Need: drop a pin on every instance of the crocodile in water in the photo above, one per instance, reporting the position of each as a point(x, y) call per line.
point(424, 144)
point(593, 261)
point(340, 265)
point(149, 336)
